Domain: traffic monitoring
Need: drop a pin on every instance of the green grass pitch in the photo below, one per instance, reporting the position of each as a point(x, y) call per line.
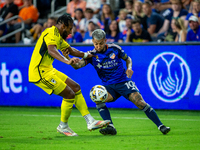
point(25, 128)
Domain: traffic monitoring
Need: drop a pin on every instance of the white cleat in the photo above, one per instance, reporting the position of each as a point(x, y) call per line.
point(98, 124)
point(66, 131)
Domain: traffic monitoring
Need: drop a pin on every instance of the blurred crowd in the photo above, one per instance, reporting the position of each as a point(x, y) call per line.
point(132, 21)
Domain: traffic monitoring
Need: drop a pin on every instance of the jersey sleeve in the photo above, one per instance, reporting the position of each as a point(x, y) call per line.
point(87, 61)
point(122, 54)
point(50, 39)
point(64, 45)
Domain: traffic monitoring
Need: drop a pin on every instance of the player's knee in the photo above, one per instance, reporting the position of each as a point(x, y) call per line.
point(70, 95)
point(77, 88)
point(137, 99)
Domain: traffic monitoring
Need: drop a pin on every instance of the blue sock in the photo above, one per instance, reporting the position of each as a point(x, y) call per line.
point(104, 112)
point(151, 114)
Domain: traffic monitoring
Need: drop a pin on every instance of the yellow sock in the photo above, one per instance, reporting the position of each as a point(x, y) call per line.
point(81, 104)
point(31, 30)
point(66, 109)
point(35, 36)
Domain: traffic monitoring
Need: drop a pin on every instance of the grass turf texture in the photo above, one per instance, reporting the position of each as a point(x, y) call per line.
point(27, 128)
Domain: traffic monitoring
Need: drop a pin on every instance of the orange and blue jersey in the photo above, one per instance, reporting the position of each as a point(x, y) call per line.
point(109, 65)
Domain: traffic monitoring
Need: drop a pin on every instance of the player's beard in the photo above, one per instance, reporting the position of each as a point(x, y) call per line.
point(64, 35)
point(102, 50)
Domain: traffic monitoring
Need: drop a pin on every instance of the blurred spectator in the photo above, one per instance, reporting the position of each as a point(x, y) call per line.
point(88, 35)
point(194, 32)
point(74, 4)
point(102, 3)
point(186, 4)
point(121, 5)
point(129, 6)
point(75, 37)
point(9, 10)
point(89, 16)
point(178, 26)
point(78, 18)
point(44, 8)
point(138, 13)
point(121, 19)
point(154, 20)
point(195, 10)
point(106, 17)
point(2, 3)
point(128, 30)
point(19, 3)
point(161, 5)
point(29, 14)
point(95, 5)
point(37, 29)
point(114, 34)
point(139, 34)
point(177, 11)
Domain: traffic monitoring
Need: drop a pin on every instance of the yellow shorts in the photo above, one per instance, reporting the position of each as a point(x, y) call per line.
point(53, 82)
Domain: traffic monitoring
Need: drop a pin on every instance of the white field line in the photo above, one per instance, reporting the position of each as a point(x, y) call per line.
point(75, 116)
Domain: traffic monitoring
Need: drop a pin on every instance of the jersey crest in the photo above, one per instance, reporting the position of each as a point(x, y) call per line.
point(112, 56)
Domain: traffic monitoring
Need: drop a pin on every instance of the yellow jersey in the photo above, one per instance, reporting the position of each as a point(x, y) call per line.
point(41, 60)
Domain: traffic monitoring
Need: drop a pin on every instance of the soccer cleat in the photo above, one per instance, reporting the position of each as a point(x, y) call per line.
point(108, 130)
point(98, 124)
point(66, 131)
point(164, 129)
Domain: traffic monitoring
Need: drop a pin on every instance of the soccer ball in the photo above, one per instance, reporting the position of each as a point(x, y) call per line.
point(98, 93)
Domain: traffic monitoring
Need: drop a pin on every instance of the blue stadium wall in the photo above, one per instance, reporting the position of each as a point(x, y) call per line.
point(167, 75)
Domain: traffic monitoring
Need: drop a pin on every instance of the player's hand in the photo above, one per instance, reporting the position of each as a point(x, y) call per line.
point(73, 61)
point(129, 73)
point(65, 52)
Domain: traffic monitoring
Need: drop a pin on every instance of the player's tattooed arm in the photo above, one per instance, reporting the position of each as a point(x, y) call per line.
point(129, 71)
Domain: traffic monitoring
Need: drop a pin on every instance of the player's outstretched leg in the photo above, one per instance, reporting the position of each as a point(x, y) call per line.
point(151, 114)
point(164, 129)
point(81, 105)
point(66, 108)
point(64, 129)
point(105, 114)
point(137, 99)
point(96, 124)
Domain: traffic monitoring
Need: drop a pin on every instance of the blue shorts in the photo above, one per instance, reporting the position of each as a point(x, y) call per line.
point(121, 89)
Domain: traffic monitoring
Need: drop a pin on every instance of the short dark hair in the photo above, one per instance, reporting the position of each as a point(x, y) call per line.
point(136, 20)
point(66, 19)
point(89, 10)
point(148, 2)
point(53, 18)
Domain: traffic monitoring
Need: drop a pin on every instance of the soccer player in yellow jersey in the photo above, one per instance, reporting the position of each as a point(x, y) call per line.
point(43, 75)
